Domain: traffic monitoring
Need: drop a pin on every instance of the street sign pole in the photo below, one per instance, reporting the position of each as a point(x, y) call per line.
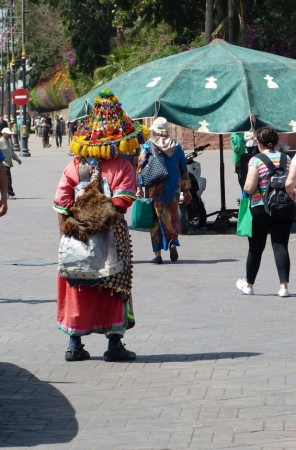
point(21, 97)
point(21, 131)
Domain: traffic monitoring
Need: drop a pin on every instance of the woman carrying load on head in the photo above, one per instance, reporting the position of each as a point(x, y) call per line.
point(103, 305)
point(165, 195)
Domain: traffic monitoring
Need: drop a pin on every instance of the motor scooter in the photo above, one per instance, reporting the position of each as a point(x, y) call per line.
point(194, 214)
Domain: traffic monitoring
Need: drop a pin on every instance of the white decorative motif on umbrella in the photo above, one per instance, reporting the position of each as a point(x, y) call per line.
point(154, 82)
point(195, 76)
point(211, 83)
point(203, 128)
point(271, 84)
point(293, 125)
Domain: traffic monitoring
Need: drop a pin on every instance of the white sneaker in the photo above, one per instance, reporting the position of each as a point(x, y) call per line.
point(284, 293)
point(242, 286)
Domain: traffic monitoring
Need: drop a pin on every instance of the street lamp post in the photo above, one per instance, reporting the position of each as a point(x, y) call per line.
point(25, 151)
point(8, 89)
point(16, 145)
point(2, 91)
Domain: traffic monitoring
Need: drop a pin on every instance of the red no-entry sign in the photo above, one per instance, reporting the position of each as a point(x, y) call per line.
point(20, 97)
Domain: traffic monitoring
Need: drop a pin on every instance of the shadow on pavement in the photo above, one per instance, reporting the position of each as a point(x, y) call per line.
point(32, 412)
point(193, 357)
point(182, 357)
point(190, 261)
point(30, 302)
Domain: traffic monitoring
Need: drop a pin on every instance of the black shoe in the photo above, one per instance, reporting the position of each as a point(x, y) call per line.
point(120, 354)
point(173, 252)
point(77, 355)
point(156, 260)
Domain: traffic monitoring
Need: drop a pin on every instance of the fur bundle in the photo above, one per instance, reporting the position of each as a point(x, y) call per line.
point(92, 212)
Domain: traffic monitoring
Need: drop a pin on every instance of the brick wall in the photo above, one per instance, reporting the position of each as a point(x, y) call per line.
point(190, 139)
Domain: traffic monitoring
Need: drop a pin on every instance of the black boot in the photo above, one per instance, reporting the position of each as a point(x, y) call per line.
point(117, 351)
point(75, 351)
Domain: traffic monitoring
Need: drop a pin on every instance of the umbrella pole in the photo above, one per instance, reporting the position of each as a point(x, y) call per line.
point(222, 220)
point(222, 174)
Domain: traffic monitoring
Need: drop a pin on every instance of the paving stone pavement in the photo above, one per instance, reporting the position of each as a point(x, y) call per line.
point(215, 369)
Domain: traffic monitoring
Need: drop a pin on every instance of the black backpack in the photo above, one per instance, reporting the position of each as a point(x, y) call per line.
point(277, 203)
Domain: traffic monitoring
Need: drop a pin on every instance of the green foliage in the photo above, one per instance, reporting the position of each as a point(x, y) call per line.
point(82, 83)
point(33, 103)
point(143, 45)
point(88, 26)
point(271, 27)
point(186, 18)
point(55, 93)
point(44, 47)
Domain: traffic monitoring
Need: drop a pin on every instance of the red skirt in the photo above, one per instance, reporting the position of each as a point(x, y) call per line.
point(84, 310)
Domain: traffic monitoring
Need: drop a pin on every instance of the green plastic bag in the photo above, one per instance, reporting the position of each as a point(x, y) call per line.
point(245, 217)
point(143, 213)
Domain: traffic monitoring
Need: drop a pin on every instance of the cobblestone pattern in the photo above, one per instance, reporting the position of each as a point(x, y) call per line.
point(215, 369)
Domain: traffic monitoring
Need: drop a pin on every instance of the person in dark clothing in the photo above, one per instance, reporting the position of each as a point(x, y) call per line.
point(28, 123)
point(48, 123)
point(45, 128)
point(263, 223)
point(72, 129)
point(3, 123)
point(58, 130)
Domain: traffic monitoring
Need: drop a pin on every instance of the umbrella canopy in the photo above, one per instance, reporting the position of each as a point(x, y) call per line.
point(212, 89)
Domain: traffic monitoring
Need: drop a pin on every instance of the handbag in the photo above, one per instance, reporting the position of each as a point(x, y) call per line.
point(155, 170)
point(143, 213)
point(245, 217)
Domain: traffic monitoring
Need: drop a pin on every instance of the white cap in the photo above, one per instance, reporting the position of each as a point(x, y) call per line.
point(160, 125)
point(7, 131)
point(60, 117)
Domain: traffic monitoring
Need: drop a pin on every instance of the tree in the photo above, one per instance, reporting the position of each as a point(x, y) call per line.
point(88, 26)
point(231, 21)
point(45, 47)
point(208, 22)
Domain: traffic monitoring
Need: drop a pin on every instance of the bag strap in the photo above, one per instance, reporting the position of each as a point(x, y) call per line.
point(268, 163)
point(283, 162)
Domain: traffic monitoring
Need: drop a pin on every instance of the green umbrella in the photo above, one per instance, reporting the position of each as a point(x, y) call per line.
point(214, 88)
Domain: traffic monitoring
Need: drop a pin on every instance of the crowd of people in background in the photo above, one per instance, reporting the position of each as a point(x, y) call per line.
point(49, 129)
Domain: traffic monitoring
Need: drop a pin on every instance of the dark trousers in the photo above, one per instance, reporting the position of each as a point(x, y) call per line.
point(9, 181)
point(45, 137)
point(58, 136)
point(279, 233)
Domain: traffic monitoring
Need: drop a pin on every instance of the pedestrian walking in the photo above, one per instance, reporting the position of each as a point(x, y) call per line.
point(63, 127)
point(7, 150)
point(46, 125)
point(72, 129)
point(3, 123)
point(57, 130)
point(291, 180)
point(262, 222)
point(28, 124)
point(98, 303)
point(166, 194)
point(3, 187)
point(37, 125)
